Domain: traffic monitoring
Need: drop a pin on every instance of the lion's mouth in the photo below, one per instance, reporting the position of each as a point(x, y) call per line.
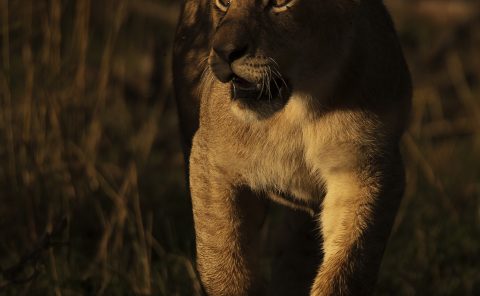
point(267, 90)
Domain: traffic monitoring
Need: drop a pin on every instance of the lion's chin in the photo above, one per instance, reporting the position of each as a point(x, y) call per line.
point(271, 90)
point(250, 110)
point(257, 101)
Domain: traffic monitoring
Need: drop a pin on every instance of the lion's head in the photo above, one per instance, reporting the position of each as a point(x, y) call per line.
point(265, 49)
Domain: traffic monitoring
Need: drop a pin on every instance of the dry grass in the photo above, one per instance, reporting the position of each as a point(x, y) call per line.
point(91, 184)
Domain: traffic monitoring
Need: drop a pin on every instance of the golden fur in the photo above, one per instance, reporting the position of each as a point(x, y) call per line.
point(329, 148)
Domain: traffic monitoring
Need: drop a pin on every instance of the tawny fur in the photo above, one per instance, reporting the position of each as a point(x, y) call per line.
point(332, 146)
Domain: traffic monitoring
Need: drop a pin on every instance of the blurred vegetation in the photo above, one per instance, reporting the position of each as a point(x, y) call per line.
point(92, 194)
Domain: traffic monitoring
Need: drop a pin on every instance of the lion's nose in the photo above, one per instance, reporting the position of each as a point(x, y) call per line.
point(226, 53)
point(230, 50)
point(230, 43)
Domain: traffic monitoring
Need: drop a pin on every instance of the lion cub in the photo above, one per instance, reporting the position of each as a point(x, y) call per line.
point(300, 101)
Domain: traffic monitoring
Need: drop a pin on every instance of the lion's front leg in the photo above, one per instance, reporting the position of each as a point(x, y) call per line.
point(227, 224)
point(356, 219)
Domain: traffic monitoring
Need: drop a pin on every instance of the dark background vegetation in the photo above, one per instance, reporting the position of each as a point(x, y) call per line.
point(92, 194)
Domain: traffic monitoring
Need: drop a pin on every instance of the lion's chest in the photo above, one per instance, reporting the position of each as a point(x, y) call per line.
point(280, 166)
point(275, 158)
point(297, 157)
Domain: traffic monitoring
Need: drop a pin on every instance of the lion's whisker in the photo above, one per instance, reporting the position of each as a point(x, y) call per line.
point(275, 81)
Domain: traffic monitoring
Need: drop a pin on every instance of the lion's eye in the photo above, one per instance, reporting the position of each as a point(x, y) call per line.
point(222, 4)
point(282, 5)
